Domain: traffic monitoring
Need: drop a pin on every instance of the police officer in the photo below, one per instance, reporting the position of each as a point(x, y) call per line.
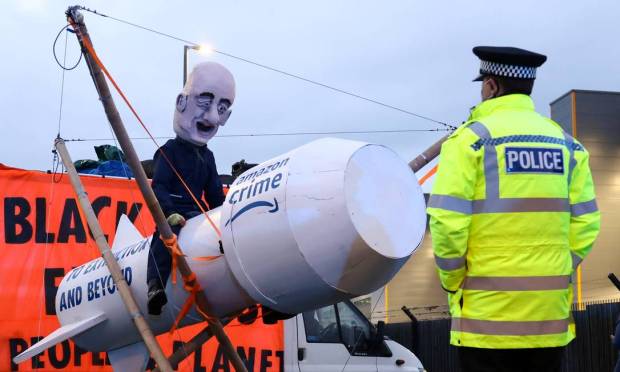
point(513, 213)
point(201, 108)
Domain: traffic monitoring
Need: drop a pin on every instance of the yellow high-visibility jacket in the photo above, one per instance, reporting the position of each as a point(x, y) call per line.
point(513, 213)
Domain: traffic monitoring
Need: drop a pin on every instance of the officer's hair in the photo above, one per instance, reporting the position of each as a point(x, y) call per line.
point(514, 86)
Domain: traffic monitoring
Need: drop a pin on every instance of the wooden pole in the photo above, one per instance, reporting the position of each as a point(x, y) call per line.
point(110, 260)
point(428, 155)
point(191, 346)
point(145, 187)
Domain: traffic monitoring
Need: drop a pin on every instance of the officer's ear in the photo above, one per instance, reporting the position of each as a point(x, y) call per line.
point(494, 87)
point(225, 117)
point(181, 102)
point(490, 88)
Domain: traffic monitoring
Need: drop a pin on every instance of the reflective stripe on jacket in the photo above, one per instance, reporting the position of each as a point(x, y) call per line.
point(513, 212)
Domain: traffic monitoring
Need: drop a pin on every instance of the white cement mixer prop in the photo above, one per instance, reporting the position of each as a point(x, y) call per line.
point(330, 220)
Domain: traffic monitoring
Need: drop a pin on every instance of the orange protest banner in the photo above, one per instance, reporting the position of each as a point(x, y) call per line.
point(43, 235)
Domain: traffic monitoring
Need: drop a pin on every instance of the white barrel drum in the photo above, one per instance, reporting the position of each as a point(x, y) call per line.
point(330, 220)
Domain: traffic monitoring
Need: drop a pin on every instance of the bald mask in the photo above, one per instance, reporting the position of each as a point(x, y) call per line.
point(204, 105)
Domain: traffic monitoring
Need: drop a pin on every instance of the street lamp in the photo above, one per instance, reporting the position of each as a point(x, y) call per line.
point(202, 49)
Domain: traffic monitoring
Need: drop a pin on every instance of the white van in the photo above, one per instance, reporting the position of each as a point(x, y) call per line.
point(340, 338)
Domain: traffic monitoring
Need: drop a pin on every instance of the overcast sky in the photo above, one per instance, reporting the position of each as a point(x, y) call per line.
point(412, 54)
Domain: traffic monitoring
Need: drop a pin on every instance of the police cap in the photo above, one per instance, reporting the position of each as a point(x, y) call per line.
point(508, 61)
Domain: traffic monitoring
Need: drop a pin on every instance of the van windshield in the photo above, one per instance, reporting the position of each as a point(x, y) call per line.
point(322, 325)
point(340, 323)
point(355, 329)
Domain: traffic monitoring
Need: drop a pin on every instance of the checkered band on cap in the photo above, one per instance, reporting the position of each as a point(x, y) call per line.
point(500, 69)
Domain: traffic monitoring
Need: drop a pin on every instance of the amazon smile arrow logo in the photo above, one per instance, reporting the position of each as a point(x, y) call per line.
point(260, 203)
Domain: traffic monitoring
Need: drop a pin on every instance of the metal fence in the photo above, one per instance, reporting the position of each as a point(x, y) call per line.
point(591, 351)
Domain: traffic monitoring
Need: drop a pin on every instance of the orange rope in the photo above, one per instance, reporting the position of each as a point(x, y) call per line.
point(206, 258)
point(428, 175)
point(175, 252)
point(88, 45)
point(192, 286)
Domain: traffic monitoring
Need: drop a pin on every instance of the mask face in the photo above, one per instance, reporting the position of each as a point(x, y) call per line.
point(204, 105)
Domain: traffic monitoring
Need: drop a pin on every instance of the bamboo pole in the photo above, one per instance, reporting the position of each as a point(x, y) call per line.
point(189, 347)
point(110, 260)
point(133, 161)
point(428, 155)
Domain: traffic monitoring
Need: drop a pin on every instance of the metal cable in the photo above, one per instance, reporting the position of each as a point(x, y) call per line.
point(62, 65)
point(273, 134)
point(295, 76)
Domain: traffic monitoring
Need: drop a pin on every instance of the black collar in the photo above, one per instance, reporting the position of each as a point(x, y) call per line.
point(189, 145)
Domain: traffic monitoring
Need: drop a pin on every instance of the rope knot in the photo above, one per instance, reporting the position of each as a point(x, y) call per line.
point(191, 285)
point(175, 252)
